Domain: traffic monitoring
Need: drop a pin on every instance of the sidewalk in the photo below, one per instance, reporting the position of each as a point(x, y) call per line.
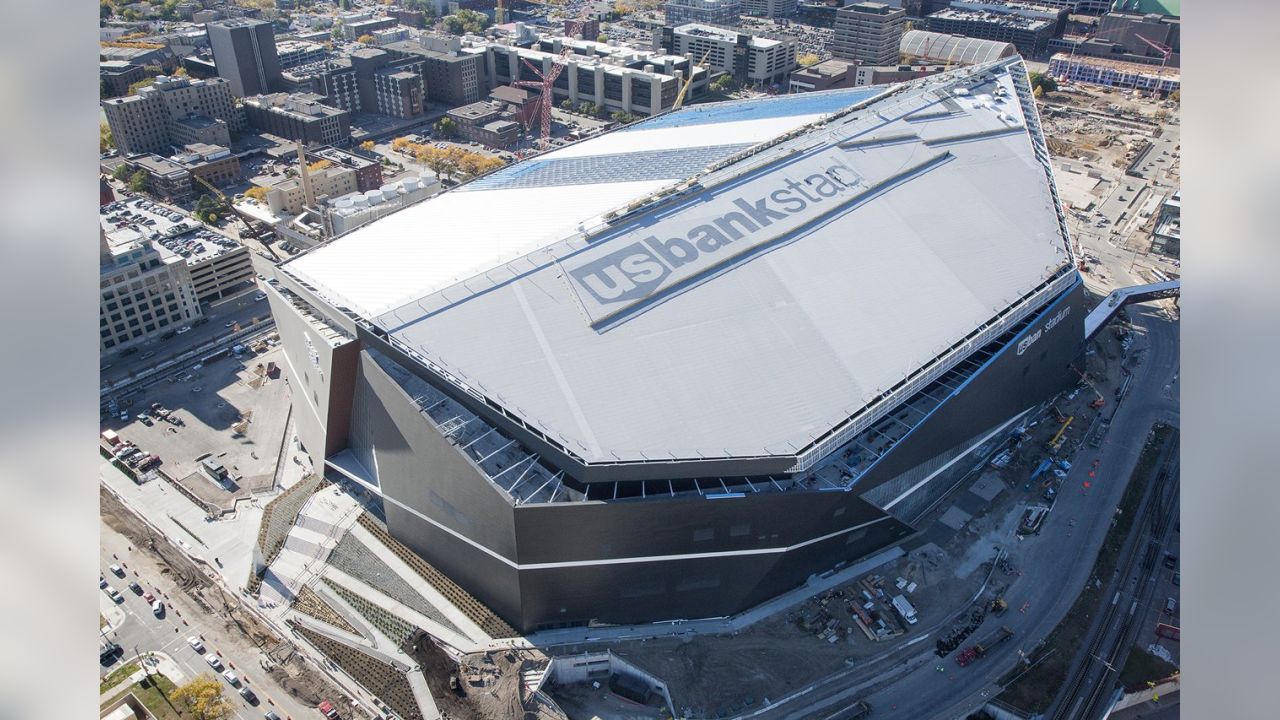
point(158, 663)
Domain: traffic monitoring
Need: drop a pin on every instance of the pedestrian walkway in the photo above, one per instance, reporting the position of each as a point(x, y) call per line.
point(321, 523)
point(155, 664)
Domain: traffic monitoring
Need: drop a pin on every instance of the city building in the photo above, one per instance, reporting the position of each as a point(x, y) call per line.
point(750, 59)
point(244, 52)
point(289, 196)
point(1128, 37)
point(292, 53)
point(106, 195)
point(1028, 27)
point(368, 172)
point(925, 46)
point(144, 291)
point(869, 33)
point(360, 28)
point(369, 80)
point(219, 268)
point(769, 8)
point(408, 18)
point(199, 68)
point(1113, 73)
point(346, 213)
point(451, 77)
point(300, 117)
point(662, 382)
point(142, 57)
point(1169, 8)
point(826, 75)
point(172, 111)
point(1166, 239)
point(525, 105)
point(173, 178)
point(714, 12)
point(211, 163)
point(487, 122)
point(614, 78)
point(118, 75)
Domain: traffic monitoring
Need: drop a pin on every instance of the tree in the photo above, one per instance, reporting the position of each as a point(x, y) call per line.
point(203, 699)
point(445, 127)
point(466, 22)
point(204, 209)
point(724, 84)
point(603, 38)
point(134, 88)
point(624, 118)
point(367, 146)
point(1045, 82)
point(400, 143)
point(257, 192)
point(566, 105)
point(121, 172)
point(138, 181)
point(365, 39)
point(588, 108)
point(319, 165)
point(1176, 96)
point(808, 59)
point(106, 140)
point(105, 9)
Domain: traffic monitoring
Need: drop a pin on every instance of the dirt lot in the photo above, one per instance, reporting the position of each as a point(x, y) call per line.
point(227, 409)
point(195, 595)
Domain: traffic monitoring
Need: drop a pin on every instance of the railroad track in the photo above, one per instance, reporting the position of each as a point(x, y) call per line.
point(1083, 692)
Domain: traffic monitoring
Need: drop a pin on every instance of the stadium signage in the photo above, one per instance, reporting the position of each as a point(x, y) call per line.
point(668, 255)
point(1025, 343)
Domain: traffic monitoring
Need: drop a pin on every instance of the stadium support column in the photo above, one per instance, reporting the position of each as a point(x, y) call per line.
point(626, 91)
point(599, 88)
point(572, 71)
point(655, 94)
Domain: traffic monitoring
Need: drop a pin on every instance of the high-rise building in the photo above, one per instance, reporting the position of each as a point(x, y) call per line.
point(1029, 27)
point(172, 111)
point(245, 52)
point(144, 291)
point(451, 77)
point(299, 117)
point(769, 8)
point(716, 12)
point(869, 32)
point(748, 58)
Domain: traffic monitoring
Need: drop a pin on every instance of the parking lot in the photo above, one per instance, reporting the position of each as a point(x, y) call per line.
point(227, 410)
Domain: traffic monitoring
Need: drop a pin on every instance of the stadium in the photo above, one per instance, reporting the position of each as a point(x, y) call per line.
point(675, 369)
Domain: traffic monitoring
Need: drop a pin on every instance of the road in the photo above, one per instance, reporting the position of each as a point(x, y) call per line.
point(143, 632)
point(1056, 563)
point(241, 309)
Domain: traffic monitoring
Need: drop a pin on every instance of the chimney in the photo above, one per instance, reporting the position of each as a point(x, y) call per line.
point(308, 196)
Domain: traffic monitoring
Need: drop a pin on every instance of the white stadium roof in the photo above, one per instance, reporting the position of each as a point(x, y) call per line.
point(734, 280)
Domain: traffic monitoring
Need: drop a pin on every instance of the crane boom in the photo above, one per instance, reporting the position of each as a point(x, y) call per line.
point(688, 81)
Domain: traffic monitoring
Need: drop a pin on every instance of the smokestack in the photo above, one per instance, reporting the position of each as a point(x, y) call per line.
point(308, 196)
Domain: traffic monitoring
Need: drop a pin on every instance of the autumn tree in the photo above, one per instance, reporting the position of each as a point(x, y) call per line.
point(365, 39)
point(367, 146)
point(808, 59)
point(257, 192)
point(106, 140)
point(202, 698)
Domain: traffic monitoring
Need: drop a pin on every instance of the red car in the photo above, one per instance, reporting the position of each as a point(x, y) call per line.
point(148, 597)
point(327, 709)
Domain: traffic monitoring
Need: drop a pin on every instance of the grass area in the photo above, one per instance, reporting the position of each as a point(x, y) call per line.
point(117, 676)
point(1142, 667)
point(1034, 690)
point(154, 694)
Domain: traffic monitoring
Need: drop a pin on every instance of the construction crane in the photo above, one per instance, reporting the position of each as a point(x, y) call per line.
point(688, 81)
point(546, 81)
point(1165, 51)
point(1101, 401)
point(250, 224)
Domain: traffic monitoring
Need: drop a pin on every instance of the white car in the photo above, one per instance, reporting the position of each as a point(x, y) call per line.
point(230, 675)
point(214, 661)
point(183, 329)
point(260, 297)
point(195, 644)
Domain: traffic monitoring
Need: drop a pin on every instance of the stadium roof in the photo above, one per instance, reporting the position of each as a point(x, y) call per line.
point(749, 279)
point(956, 49)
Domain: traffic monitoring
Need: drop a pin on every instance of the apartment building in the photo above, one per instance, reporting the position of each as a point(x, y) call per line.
point(715, 12)
point(750, 59)
point(244, 51)
point(869, 33)
point(143, 291)
point(300, 116)
point(172, 111)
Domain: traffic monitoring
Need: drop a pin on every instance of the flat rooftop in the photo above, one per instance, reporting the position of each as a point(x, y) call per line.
point(748, 279)
point(1004, 19)
point(723, 34)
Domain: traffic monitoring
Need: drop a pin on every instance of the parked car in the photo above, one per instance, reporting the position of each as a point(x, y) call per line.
point(183, 329)
point(214, 661)
point(136, 588)
point(149, 597)
point(114, 594)
point(157, 607)
point(247, 693)
point(196, 644)
point(119, 572)
point(231, 677)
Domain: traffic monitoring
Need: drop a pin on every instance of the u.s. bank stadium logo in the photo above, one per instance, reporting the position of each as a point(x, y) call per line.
point(615, 277)
point(1049, 324)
